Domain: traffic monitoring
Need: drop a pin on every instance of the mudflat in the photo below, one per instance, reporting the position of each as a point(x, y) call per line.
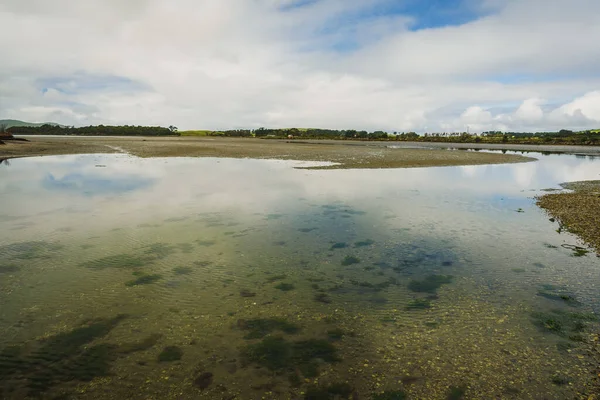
point(578, 211)
point(345, 154)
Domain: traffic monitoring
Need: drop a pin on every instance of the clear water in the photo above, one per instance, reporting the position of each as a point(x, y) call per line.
point(277, 282)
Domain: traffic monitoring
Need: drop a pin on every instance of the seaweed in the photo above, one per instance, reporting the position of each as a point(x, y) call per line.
point(364, 243)
point(456, 393)
point(285, 287)
point(275, 278)
point(350, 260)
point(562, 323)
point(61, 358)
point(159, 250)
point(418, 304)
point(170, 353)
point(183, 270)
point(144, 279)
point(330, 392)
point(430, 284)
point(322, 298)
point(115, 261)
point(29, 250)
point(279, 355)
point(390, 395)
point(7, 269)
point(261, 327)
point(339, 245)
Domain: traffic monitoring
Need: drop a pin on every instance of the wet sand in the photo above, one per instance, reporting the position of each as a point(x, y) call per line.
point(578, 211)
point(346, 154)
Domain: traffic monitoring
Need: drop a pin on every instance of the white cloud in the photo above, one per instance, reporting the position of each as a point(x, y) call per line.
point(238, 63)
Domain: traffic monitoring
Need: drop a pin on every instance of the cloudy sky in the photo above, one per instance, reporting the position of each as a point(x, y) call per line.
point(395, 65)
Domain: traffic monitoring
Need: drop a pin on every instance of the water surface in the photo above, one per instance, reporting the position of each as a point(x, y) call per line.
point(224, 278)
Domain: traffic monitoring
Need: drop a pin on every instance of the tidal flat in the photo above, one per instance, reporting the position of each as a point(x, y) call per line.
point(337, 155)
point(223, 278)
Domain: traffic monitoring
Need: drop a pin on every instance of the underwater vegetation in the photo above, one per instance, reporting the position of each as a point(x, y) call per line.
point(29, 250)
point(7, 269)
point(563, 323)
point(170, 353)
point(339, 245)
point(276, 278)
point(375, 286)
point(247, 293)
point(183, 270)
point(335, 334)
point(364, 243)
point(390, 395)
point(65, 357)
point(205, 243)
point(285, 287)
point(261, 327)
point(350, 260)
point(330, 392)
point(456, 393)
point(203, 380)
point(144, 279)
point(418, 304)
point(322, 298)
point(185, 247)
point(430, 284)
point(116, 261)
point(555, 293)
point(280, 355)
point(159, 250)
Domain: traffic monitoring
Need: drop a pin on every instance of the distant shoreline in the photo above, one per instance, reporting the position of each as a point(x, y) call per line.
point(345, 154)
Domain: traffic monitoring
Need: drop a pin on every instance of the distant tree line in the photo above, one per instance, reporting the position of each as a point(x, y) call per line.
point(564, 136)
point(589, 137)
point(99, 130)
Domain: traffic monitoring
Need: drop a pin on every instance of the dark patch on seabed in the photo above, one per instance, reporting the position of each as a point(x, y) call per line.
point(78, 355)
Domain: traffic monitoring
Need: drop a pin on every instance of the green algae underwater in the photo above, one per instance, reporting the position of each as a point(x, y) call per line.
point(143, 279)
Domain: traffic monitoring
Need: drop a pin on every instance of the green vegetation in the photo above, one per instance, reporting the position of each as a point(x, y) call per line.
point(38, 366)
point(560, 380)
point(456, 393)
point(552, 292)
point(144, 279)
point(116, 261)
point(364, 243)
point(350, 260)
point(322, 298)
point(29, 250)
point(330, 392)
point(430, 284)
point(99, 130)
point(276, 278)
point(285, 287)
point(170, 353)
point(562, 323)
point(7, 269)
point(261, 327)
point(418, 304)
point(279, 355)
point(339, 245)
point(195, 133)
point(159, 250)
point(393, 395)
point(335, 334)
point(247, 293)
point(183, 270)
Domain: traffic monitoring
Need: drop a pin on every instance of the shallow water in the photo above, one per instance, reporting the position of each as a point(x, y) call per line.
point(219, 278)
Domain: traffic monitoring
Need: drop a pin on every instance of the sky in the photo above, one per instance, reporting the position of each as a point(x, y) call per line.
point(393, 65)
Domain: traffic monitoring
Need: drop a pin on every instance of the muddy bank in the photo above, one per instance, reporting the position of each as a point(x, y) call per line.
point(347, 154)
point(577, 211)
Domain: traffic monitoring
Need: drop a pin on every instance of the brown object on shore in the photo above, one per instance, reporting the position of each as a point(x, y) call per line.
point(577, 212)
point(346, 154)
